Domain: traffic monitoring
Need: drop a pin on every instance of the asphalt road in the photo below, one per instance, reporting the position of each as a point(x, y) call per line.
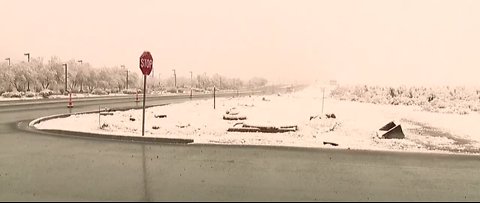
point(38, 167)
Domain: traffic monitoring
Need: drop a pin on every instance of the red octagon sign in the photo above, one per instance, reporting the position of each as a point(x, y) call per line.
point(146, 63)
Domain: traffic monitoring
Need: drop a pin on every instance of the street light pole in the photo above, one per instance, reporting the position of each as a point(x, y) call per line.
point(323, 98)
point(81, 82)
point(66, 73)
point(28, 56)
point(28, 81)
point(8, 59)
point(204, 79)
point(175, 77)
point(191, 84)
point(126, 86)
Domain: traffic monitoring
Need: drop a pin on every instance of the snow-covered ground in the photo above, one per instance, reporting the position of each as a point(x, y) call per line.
point(355, 125)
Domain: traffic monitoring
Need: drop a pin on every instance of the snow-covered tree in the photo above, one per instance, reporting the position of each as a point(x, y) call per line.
point(47, 74)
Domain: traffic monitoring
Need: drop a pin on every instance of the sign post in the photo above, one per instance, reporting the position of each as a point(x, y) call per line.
point(146, 66)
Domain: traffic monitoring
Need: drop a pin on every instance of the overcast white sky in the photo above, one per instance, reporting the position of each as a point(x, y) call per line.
point(356, 41)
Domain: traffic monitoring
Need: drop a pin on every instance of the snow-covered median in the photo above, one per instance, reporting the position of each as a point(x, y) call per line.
point(354, 127)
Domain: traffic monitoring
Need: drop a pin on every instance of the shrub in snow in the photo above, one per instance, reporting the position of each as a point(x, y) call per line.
point(99, 92)
point(129, 91)
point(12, 94)
point(29, 94)
point(172, 90)
point(16, 95)
point(46, 93)
point(474, 106)
point(6, 94)
point(439, 103)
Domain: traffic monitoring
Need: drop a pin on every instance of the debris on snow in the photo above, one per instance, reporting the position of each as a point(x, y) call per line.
point(388, 126)
point(234, 117)
point(391, 131)
point(334, 126)
point(262, 129)
point(183, 126)
point(330, 143)
point(330, 115)
point(106, 113)
point(326, 115)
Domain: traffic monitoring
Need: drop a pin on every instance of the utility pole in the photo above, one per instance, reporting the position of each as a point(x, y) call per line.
point(66, 73)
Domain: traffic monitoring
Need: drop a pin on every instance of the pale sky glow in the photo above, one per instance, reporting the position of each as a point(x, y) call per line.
point(376, 42)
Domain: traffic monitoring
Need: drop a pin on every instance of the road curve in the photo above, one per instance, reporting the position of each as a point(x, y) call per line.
point(41, 167)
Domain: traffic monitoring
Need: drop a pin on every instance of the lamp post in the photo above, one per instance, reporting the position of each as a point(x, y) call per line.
point(66, 73)
point(126, 86)
point(28, 56)
point(81, 81)
point(8, 59)
point(28, 59)
point(175, 78)
point(204, 80)
point(191, 84)
point(220, 85)
point(323, 98)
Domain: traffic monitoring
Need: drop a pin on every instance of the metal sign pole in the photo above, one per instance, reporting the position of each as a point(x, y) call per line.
point(144, 93)
point(146, 66)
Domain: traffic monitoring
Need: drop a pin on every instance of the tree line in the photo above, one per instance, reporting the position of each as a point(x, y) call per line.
point(456, 99)
point(38, 75)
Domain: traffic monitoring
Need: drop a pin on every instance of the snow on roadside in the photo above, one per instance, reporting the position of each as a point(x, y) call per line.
point(355, 125)
point(74, 95)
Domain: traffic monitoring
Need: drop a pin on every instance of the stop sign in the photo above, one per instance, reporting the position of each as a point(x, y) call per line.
point(146, 63)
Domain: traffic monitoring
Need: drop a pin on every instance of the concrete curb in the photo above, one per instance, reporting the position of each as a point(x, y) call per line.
point(31, 127)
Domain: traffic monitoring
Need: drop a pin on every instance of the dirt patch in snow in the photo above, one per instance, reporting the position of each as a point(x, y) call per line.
point(461, 144)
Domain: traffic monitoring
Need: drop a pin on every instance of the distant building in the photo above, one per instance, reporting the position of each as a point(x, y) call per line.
point(333, 82)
